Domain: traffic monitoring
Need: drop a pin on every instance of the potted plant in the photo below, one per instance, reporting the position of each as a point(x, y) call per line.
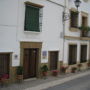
point(44, 70)
point(4, 79)
point(79, 66)
point(63, 69)
point(73, 69)
point(55, 72)
point(84, 30)
point(88, 63)
point(19, 72)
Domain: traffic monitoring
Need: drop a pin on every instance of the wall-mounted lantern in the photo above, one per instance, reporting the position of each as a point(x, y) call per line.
point(77, 3)
point(66, 16)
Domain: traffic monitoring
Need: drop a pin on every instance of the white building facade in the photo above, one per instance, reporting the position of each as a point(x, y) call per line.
point(31, 34)
point(21, 43)
point(76, 45)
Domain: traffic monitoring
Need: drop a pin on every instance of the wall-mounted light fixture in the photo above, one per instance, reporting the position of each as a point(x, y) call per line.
point(16, 56)
point(66, 16)
point(77, 3)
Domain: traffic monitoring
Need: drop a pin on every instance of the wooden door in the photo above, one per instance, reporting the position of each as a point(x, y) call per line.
point(83, 53)
point(72, 54)
point(4, 63)
point(30, 63)
point(53, 60)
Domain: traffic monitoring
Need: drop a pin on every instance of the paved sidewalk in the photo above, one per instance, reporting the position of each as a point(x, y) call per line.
point(40, 84)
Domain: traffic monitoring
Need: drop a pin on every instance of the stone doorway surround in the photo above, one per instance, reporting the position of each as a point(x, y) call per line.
point(58, 62)
point(38, 45)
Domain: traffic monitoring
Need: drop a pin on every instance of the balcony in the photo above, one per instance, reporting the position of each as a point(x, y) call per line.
point(85, 34)
point(84, 31)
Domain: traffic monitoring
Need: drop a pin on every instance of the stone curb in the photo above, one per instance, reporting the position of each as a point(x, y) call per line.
point(57, 82)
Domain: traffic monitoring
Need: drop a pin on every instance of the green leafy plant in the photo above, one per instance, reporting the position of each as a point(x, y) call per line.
point(63, 69)
point(84, 28)
point(44, 68)
point(19, 70)
point(79, 66)
point(88, 63)
point(73, 69)
point(55, 72)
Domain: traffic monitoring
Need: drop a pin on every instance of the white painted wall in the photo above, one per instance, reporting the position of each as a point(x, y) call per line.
point(12, 13)
point(12, 27)
point(51, 27)
point(85, 7)
point(78, 43)
point(8, 28)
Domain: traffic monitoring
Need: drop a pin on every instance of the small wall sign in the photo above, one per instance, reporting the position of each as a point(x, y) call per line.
point(44, 54)
point(16, 56)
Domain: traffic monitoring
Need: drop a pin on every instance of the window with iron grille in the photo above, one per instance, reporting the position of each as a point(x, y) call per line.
point(33, 18)
point(74, 19)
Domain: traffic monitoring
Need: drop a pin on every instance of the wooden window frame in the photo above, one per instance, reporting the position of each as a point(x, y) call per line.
point(84, 14)
point(73, 29)
point(84, 21)
point(27, 3)
point(75, 15)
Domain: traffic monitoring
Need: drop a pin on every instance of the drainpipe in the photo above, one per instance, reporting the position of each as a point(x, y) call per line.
point(64, 29)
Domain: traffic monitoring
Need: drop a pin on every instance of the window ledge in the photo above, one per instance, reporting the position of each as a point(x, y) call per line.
point(73, 29)
point(32, 32)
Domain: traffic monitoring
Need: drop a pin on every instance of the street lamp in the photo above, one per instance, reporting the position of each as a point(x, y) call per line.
point(77, 3)
point(66, 16)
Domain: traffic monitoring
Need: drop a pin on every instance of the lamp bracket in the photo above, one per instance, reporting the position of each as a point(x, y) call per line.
point(66, 16)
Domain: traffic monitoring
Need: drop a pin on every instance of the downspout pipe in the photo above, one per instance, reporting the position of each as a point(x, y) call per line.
point(63, 30)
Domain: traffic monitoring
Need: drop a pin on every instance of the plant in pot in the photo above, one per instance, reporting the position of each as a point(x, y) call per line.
point(84, 30)
point(63, 69)
point(79, 66)
point(44, 70)
point(88, 64)
point(73, 69)
point(19, 72)
point(4, 78)
point(55, 72)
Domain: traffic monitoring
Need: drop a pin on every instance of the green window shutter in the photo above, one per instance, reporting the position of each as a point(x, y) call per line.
point(32, 19)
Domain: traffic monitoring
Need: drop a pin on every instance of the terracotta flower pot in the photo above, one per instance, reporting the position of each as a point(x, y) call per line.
point(88, 64)
point(63, 69)
point(20, 77)
point(55, 72)
point(44, 73)
point(73, 70)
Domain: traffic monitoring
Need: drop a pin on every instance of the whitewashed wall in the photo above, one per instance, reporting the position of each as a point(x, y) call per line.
point(85, 7)
point(12, 13)
point(8, 28)
point(78, 43)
